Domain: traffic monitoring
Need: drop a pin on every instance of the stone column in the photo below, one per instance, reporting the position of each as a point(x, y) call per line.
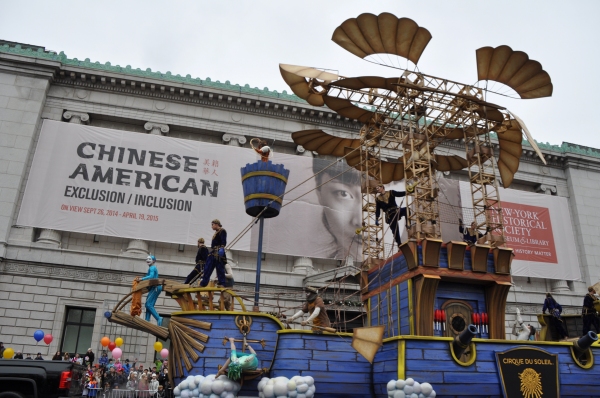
point(157, 128)
point(546, 189)
point(558, 286)
point(234, 139)
point(303, 265)
point(77, 117)
point(50, 237)
point(137, 246)
point(301, 151)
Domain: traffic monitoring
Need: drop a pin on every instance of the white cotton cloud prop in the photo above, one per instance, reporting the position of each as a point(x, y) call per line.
point(409, 388)
point(207, 387)
point(296, 387)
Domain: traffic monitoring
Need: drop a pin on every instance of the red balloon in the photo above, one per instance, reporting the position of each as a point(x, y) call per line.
point(112, 346)
point(48, 338)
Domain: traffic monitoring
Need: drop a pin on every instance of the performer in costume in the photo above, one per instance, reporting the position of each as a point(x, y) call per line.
point(260, 147)
point(201, 257)
point(470, 235)
point(216, 256)
point(238, 362)
point(555, 310)
point(153, 292)
point(386, 201)
point(590, 316)
point(315, 307)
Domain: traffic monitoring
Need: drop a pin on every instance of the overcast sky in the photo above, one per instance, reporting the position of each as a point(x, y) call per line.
point(244, 41)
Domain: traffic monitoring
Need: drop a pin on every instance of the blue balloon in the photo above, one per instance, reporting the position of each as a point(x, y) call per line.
point(38, 335)
point(107, 314)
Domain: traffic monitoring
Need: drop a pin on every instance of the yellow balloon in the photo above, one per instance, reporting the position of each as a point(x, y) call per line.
point(9, 353)
point(157, 346)
point(119, 341)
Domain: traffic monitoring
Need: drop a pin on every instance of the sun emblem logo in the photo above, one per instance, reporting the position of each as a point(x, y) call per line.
point(531, 383)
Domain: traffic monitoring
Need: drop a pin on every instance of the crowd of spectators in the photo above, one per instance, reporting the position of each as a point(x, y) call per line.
point(109, 378)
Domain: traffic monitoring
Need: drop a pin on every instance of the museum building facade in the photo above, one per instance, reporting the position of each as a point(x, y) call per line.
point(62, 282)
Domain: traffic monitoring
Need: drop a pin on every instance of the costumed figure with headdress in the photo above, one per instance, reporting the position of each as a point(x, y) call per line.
point(314, 306)
point(260, 147)
point(386, 201)
point(153, 292)
point(238, 362)
point(216, 256)
point(201, 257)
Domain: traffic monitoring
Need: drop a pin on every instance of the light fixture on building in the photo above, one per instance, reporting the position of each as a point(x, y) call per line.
point(180, 247)
point(96, 238)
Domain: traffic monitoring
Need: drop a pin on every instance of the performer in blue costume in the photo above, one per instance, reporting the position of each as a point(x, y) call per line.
point(153, 292)
point(216, 257)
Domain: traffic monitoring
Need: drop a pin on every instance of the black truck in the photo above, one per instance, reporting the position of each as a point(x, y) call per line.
point(23, 378)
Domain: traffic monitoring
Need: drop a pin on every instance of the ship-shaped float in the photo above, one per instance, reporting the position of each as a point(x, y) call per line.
point(435, 310)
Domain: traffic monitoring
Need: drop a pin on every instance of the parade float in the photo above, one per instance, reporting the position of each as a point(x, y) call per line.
point(435, 311)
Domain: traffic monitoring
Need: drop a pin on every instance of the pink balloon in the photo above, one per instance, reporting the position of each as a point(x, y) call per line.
point(48, 338)
point(164, 353)
point(116, 353)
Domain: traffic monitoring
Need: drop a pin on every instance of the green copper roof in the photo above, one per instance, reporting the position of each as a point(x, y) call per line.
point(39, 52)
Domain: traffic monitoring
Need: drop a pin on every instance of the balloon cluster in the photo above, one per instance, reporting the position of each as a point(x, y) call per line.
point(296, 387)
point(409, 388)
point(207, 387)
point(113, 347)
point(39, 335)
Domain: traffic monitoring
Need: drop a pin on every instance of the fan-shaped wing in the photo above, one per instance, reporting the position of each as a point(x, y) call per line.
point(458, 133)
point(299, 85)
point(515, 69)
point(307, 71)
point(450, 162)
point(370, 34)
point(510, 152)
point(389, 171)
point(358, 83)
point(323, 143)
point(347, 109)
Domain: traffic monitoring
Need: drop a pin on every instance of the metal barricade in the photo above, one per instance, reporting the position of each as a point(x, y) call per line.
point(125, 393)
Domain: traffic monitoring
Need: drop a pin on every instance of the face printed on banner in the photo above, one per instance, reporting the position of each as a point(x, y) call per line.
point(339, 195)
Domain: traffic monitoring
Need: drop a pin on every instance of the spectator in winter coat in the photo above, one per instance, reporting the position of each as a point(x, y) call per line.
point(103, 361)
point(153, 385)
point(90, 356)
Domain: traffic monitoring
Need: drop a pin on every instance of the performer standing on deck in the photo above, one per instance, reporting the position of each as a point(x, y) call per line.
point(590, 316)
point(153, 292)
point(316, 308)
point(555, 310)
point(216, 256)
point(201, 257)
point(386, 201)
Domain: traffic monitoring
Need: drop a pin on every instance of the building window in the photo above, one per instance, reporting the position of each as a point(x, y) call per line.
point(78, 329)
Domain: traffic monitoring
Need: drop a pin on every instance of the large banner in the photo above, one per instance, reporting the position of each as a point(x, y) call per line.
point(116, 183)
point(141, 186)
point(538, 228)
